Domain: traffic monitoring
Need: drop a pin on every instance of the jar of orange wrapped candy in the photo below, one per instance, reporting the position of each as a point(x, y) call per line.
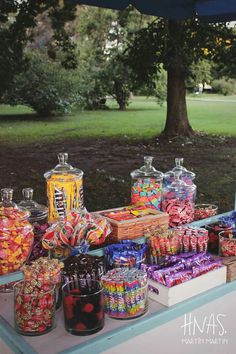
point(16, 234)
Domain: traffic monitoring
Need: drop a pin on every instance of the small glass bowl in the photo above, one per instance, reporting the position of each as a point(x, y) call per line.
point(203, 211)
point(227, 243)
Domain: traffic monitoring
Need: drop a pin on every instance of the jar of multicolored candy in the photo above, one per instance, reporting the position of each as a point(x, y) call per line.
point(38, 218)
point(64, 189)
point(16, 234)
point(178, 200)
point(147, 185)
point(186, 176)
point(125, 293)
point(34, 308)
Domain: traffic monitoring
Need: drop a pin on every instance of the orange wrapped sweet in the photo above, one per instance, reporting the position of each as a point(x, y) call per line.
point(16, 234)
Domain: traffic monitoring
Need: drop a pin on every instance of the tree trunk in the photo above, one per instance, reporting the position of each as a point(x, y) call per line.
point(177, 122)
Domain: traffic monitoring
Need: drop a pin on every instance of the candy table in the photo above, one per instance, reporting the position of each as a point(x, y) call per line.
point(161, 329)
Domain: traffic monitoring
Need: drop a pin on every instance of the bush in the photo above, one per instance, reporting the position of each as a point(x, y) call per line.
point(45, 86)
point(223, 87)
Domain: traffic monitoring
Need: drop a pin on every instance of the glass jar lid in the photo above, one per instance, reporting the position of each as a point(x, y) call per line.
point(179, 185)
point(179, 167)
point(10, 211)
point(147, 170)
point(63, 167)
point(37, 211)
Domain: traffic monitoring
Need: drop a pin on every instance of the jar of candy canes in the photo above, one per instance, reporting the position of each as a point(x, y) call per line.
point(38, 218)
point(178, 200)
point(16, 234)
point(64, 189)
point(147, 185)
point(186, 176)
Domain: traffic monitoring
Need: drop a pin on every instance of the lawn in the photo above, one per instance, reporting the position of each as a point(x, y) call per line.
point(143, 119)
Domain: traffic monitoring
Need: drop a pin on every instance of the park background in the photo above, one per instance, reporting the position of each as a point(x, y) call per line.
point(80, 81)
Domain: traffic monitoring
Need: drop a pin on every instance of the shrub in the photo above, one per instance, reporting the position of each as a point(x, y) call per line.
point(223, 87)
point(44, 86)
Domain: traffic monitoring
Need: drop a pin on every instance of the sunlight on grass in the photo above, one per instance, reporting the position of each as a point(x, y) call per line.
point(143, 119)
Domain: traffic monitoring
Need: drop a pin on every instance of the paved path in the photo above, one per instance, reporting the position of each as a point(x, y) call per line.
point(210, 100)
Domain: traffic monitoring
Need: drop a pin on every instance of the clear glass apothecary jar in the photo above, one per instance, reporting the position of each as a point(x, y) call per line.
point(178, 201)
point(16, 234)
point(186, 175)
point(64, 189)
point(38, 218)
point(147, 185)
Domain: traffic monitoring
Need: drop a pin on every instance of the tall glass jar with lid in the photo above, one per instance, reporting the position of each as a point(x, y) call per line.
point(16, 234)
point(178, 201)
point(147, 185)
point(38, 218)
point(64, 189)
point(186, 175)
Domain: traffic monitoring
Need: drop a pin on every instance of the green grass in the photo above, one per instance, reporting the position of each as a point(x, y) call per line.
point(143, 119)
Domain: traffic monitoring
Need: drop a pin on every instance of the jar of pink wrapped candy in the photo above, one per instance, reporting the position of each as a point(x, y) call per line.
point(178, 200)
point(147, 185)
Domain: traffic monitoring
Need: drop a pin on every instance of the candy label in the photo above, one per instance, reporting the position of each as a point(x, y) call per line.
point(64, 193)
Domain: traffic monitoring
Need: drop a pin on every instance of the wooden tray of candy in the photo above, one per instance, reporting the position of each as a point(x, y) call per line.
point(136, 227)
point(230, 263)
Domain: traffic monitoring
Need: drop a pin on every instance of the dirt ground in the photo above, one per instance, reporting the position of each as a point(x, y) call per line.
point(108, 163)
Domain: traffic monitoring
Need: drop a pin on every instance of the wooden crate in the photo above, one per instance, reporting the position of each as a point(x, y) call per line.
point(230, 263)
point(135, 228)
point(178, 293)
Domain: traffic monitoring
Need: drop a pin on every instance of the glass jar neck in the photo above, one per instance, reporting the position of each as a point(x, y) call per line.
point(6, 196)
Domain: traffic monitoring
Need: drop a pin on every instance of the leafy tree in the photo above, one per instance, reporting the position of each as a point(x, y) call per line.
point(45, 86)
point(17, 21)
point(102, 36)
point(176, 44)
point(200, 72)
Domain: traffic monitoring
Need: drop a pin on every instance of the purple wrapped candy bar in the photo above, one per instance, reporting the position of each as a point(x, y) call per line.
point(205, 268)
point(197, 260)
point(178, 278)
point(159, 275)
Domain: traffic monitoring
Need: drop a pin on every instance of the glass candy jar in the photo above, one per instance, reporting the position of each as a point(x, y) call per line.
point(16, 234)
point(34, 309)
point(178, 200)
point(64, 189)
point(38, 218)
point(186, 176)
point(147, 185)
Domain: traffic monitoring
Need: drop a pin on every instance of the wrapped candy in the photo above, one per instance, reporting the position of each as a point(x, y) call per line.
point(83, 266)
point(125, 292)
point(178, 201)
point(174, 241)
point(178, 278)
point(125, 254)
point(78, 228)
point(34, 309)
point(16, 234)
point(227, 246)
point(203, 211)
point(180, 268)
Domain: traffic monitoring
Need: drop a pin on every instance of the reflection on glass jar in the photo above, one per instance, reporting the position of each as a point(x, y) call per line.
point(83, 307)
point(34, 309)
